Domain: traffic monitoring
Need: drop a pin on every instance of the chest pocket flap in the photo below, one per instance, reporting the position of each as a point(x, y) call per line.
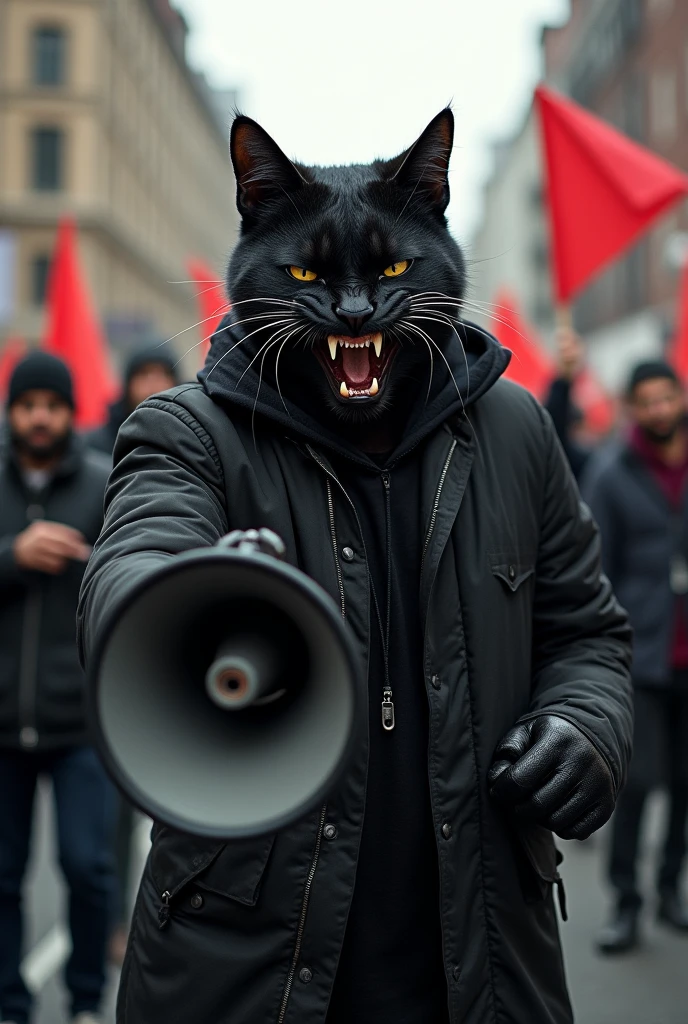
point(511, 570)
point(232, 869)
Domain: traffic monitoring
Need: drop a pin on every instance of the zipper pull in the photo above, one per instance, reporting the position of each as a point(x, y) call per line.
point(385, 481)
point(164, 912)
point(387, 710)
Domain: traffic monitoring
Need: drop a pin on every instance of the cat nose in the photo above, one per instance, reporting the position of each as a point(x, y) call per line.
point(355, 314)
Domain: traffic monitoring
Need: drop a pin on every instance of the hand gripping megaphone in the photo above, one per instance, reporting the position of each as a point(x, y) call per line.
point(223, 695)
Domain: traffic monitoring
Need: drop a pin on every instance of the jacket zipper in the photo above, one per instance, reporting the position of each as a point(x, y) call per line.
point(318, 841)
point(28, 679)
point(388, 717)
point(340, 580)
point(435, 507)
point(388, 714)
point(302, 919)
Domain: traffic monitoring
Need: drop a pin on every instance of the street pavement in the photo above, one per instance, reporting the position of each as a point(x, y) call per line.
point(649, 986)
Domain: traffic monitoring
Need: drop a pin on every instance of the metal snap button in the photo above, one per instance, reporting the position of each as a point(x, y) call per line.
point(436, 682)
point(306, 975)
point(197, 901)
point(348, 554)
point(512, 573)
point(330, 831)
point(28, 737)
point(447, 830)
point(456, 973)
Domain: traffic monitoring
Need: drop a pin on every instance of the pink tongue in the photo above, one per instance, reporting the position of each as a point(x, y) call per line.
point(356, 364)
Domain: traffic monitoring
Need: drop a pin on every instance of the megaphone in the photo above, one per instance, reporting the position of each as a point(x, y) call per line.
point(224, 693)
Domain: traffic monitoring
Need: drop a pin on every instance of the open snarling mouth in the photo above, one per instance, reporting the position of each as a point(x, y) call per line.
point(357, 367)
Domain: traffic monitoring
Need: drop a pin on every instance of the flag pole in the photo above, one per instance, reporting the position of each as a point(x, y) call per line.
point(563, 316)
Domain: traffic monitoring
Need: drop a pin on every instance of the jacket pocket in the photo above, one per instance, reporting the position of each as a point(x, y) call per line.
point(233, 870)
point(538, 860)
point(511, 571)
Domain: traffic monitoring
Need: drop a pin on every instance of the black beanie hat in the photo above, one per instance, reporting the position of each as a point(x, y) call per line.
point(653, 369)
point(144, 357)
point(44, 372)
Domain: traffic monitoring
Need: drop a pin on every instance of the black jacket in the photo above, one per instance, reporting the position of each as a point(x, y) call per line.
point(41, 681)
point(516, 620)
point(103, 438)
point(640, 533)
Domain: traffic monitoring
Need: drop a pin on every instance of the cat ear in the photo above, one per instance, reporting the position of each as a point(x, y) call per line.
point(424, 167)
point(263, 172)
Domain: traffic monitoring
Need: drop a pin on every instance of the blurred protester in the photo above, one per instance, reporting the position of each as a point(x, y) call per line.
point(640, 503)
point(51, 512)
point(567, 419)
point(147, 372)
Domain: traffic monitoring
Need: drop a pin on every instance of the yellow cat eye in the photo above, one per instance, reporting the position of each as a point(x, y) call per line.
point(398, 268)
point(301, 274)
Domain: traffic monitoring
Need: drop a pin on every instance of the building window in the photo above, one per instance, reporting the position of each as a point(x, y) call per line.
point(47, 155)
point(40, 268)
point(48, 56)
point(663, 105)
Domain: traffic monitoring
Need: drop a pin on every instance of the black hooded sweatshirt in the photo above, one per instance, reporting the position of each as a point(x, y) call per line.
point(391, 966)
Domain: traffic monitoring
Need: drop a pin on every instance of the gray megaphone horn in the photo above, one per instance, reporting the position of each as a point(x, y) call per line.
point(224, 693)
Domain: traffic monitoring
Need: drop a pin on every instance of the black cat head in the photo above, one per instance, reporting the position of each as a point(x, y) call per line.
point(333, 272)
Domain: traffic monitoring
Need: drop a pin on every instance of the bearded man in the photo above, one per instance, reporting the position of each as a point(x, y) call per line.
point(640, 499)
point(347, 406)
point(51, 511)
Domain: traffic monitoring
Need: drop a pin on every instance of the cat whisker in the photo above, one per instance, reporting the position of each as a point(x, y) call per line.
point(266, 348)
point(208, 280)
point(224, 355)
point(446, 320)
point(492, 316)
point(288, 323)
point(179, 333)
point(398, 326)
point(431, 340)
point(279, 353)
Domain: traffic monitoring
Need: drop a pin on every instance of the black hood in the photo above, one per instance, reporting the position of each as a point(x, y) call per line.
point(228, 378)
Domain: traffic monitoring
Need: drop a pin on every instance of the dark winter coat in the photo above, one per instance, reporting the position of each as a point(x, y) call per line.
point(640, 534)
point(41, 681)
point(517, 621)
point(103, 438)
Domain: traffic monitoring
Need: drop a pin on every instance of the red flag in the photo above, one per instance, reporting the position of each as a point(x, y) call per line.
point(211, 298)
point(534, 368)
point(679, 348)
point(74, 334)
point(603, 190)
point(531, 365)
point(13, 350)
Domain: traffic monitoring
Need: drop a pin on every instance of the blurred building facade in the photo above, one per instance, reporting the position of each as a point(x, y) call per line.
point(627, 61)
point(102, 118)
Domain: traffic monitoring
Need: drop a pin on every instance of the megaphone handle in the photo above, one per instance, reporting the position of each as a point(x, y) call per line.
point(247, 542)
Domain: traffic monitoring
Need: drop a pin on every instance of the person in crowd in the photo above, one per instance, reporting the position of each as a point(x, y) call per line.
point(148, 371)
point(639, 500)
point(51, 512)
point(566, 417)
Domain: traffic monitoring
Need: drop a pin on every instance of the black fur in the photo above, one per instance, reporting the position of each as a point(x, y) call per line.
point(347, 224)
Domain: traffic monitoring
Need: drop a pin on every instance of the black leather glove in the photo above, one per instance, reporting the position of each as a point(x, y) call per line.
point(549, 773)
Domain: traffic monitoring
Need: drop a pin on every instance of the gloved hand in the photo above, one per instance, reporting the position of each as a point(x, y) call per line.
point(549, 773)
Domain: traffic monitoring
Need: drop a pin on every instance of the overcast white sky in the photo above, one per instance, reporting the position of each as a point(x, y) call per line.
point(343, 82)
